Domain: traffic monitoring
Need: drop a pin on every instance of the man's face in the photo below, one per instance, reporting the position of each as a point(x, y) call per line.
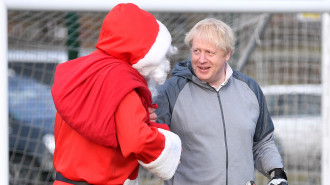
point(208, 62)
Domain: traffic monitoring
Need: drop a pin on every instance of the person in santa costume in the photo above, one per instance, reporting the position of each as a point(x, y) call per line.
point(103, 131)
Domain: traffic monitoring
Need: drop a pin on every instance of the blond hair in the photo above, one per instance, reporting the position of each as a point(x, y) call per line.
point(213, 31)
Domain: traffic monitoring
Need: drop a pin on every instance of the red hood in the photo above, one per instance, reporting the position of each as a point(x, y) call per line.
point(128, 37)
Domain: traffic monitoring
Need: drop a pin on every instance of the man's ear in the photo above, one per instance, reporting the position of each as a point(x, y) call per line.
point(228, 55)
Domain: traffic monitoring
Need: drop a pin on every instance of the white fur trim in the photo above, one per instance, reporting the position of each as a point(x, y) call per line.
point(131, 182)
point(165, 165)
point(157, 54)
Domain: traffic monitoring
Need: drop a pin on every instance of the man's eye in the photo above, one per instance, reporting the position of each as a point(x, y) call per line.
point(210, 53)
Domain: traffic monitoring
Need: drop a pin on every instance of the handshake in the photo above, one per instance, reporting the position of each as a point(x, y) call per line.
point(278, 177)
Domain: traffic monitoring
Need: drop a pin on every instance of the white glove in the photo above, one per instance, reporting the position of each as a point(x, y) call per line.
point(278, 182)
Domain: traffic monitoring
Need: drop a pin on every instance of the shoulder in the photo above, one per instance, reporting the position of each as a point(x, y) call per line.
point(244, 78)
point(250, 82)
point(131, 99)
point(181, 74)
point(172, 86)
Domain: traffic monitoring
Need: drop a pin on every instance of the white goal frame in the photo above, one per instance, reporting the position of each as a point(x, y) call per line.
point(326, 99)
point(290, 6)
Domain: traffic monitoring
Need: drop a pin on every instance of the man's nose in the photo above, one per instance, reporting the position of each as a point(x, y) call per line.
point(202, 58)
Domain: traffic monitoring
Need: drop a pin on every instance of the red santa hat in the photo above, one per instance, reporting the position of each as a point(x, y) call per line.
point(134, 35)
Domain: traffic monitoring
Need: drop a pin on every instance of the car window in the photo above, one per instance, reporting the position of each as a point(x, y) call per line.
point(29, 99)
point(294, 104)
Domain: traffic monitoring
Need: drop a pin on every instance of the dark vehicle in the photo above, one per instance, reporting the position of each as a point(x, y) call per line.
point(31, 131)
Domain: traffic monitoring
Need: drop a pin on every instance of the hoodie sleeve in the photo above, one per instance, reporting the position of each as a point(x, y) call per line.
point(156, 149)
point(265, 152)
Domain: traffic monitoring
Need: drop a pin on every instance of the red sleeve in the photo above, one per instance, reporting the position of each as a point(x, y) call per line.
point(134, 135)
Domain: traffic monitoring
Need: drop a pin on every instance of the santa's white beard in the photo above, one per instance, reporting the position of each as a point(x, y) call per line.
point(158, 77)
point(152, 85)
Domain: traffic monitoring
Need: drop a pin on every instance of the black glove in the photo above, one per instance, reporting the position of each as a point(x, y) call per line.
point(278, 177)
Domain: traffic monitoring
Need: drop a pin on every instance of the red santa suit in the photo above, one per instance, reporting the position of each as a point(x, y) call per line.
point(102, 127)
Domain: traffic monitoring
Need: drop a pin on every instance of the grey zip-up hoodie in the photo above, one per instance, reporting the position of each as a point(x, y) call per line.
point(225, 133)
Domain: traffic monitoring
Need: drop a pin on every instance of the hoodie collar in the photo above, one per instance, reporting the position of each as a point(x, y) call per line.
point(229, 72)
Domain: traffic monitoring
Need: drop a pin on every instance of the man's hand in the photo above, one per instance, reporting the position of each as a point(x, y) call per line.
point(278, 182)
point(152, 114)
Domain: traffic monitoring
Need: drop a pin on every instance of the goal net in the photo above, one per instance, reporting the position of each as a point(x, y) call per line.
point(281, 51)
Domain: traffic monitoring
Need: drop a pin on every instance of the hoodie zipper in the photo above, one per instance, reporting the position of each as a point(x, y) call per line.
point(225, 135)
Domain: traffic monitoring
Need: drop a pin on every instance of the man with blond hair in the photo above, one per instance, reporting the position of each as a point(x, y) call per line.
point(220, 115)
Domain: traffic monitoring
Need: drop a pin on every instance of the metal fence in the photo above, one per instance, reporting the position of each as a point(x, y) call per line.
point(281, 51)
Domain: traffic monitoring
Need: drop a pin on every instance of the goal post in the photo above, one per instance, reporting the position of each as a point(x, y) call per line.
point(326, 99)
point(4, 159)
point(180, 6)
point(189, 7)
